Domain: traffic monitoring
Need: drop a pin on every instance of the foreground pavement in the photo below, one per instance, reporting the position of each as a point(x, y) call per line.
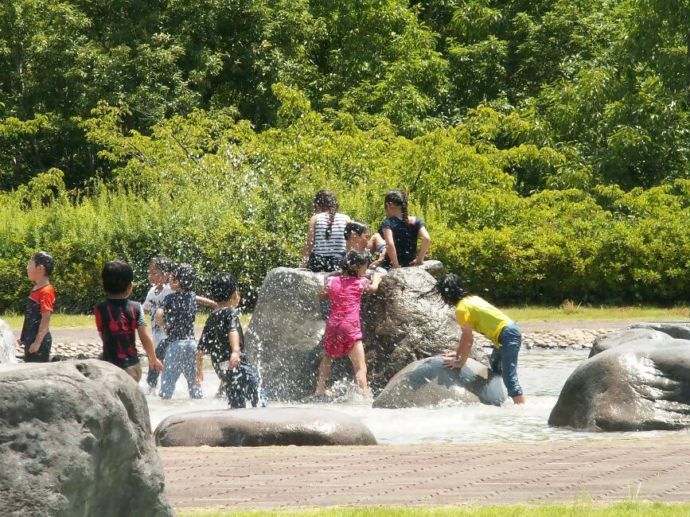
point(654, 469)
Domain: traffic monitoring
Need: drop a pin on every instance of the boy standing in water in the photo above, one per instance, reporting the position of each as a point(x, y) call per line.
point(119, 320)
point(35, 336)
point(475, 313)
point(223, 340)
point(159, 268)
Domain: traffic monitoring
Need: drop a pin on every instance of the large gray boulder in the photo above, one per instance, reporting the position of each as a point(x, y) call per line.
point(676, 329)
point(401, 324)
point(75, 440)
point(265, 426)
point(285, 330)
point(427, 383)
point(636, 386)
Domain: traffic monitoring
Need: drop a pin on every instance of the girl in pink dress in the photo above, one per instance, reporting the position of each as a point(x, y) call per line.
point(343, 335)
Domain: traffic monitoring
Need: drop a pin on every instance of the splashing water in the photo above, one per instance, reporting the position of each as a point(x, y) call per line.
point(542, 375)
point(7, 340)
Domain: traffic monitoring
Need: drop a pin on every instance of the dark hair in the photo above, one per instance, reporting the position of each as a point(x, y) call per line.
point(223, 286)
point(325, 200)
point(355, 227)
point(162, 263)
point(398, 198)
point(41, 258)
point(352, 261)
point(184, 274)
point(117, 276)
point(451, 289)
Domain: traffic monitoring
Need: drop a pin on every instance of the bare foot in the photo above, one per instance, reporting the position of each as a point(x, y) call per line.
point(519, 399)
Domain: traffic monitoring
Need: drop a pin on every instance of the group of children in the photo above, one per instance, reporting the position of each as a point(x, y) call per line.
point(335, 245)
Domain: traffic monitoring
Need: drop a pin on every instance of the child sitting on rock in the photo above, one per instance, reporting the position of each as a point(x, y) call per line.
point(400, 233)
point(119, 320)
point(325, 243)
point(343, 334)
point(358, 238)
point(223, 340)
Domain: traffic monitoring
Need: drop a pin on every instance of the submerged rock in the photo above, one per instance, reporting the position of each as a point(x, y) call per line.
point(637, 385)
point(265, 426)
point(75, 439)
point(428, 383)
point(401, 324)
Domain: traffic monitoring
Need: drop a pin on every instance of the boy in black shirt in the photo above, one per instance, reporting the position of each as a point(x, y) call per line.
point(176, 317)
point(223, 340)
point(119, 320)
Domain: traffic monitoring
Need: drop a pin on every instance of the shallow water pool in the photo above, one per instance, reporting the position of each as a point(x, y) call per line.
point(542, 375)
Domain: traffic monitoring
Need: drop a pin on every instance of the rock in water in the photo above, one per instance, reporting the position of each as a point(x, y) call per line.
point(427, 383)
point(75, 439)
point(265, 426)
point(285, 330)
point(639, 385)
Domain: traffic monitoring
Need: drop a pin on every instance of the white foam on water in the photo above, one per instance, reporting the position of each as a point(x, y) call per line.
point(7, 341)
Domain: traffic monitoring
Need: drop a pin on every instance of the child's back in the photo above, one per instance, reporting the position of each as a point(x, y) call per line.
point(179, 311)
point(117, 320)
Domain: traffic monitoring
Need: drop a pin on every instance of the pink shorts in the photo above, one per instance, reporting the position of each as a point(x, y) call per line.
point(340, 337)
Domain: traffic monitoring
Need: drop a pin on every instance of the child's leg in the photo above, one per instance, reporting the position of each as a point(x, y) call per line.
point(234, 389)
point(324, 372)
point(511, 340)
point(359, 364)
point(189, 368)
point(250, 384)
point(172, 368)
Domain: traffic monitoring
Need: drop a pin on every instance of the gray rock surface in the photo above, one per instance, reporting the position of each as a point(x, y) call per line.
point(285, 330)
point(640, 385)
point(75, 440)
point(625, 337)
point(677, 330)
point(428, 383)
point(264, 426)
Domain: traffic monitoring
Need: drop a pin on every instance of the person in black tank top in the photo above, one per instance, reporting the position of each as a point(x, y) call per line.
point(401, 232)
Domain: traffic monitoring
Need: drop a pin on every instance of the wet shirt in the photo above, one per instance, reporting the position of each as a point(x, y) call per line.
point(484, 317)
point(117, 321)
point(154, 300)
point(179, 313)
point(215, 339)
point(404, 237)
point(345, 294)
point(40, 301)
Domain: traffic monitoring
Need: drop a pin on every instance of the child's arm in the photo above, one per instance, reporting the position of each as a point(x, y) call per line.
point(42, 331)
point(374, 287)
point(160, 320)
point(234, 338)
point(147, 343)
point(424, 248)
point(309, 245)
point(206, 302)
point(462, 351)
point(390, 247)
point(199, 377)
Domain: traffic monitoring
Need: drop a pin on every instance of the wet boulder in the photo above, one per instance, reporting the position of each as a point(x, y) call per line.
point(283, 336)
point(677, 330)
point(262, 427)
point(428, 383)
point(636, 386)
point(626, 337)
point(75, 439)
